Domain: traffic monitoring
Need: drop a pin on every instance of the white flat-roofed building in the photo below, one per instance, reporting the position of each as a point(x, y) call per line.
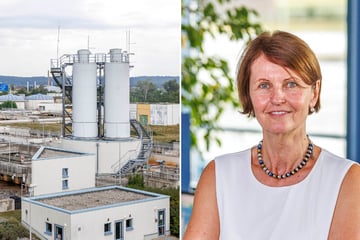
point(111, 212)
point(58, 170)
point(33, 101)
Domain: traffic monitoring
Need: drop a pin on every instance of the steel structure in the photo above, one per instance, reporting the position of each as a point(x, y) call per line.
point(72, 67)
point(95, 100)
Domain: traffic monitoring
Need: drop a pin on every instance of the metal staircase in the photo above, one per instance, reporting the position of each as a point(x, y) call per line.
point(65, 83)
point(145, 152)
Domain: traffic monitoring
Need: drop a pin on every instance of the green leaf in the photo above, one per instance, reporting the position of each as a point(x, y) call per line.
point(207, 86)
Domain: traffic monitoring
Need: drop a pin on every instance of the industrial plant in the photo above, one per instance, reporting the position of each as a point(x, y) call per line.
point(95, 149)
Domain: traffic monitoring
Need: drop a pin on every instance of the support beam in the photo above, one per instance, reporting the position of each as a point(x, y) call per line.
point(185, 152)
point(353, 76)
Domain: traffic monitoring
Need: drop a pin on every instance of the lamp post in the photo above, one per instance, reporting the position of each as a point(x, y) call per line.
point(31, 189)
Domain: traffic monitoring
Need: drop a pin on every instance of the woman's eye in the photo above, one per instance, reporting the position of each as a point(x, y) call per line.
point(291, 84)
point(263, 85)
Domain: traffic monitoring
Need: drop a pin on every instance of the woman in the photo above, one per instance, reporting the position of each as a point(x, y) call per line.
point(285, 187)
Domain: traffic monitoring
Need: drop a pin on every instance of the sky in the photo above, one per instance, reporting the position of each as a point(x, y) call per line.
point(34, 31)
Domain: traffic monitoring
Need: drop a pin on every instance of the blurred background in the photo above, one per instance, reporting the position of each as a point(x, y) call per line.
point(213, 37)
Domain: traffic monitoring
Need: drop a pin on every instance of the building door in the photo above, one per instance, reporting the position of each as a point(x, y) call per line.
point(59, 233)
point(143, 119)
point(161, 222)
point(119, 230)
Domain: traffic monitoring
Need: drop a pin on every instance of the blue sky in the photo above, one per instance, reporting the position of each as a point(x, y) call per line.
point(29, 33)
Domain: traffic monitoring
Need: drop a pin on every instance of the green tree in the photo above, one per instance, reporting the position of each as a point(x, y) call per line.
point(145, 88)
point(206, 84)
point(8, 104)
point(21, 90)
point(41, 89)
point(171, 93)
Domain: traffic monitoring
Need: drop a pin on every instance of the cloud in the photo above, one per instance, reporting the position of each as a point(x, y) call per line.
point(90, 14)
point(29, 32)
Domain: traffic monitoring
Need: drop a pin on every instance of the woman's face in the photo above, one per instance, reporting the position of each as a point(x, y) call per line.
point(281, 100)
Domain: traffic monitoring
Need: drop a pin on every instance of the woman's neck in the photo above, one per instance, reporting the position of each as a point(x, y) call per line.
point(282, 154)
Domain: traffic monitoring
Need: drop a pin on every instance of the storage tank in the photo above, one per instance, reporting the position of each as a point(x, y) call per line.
point(84, 96)
point(116, 95)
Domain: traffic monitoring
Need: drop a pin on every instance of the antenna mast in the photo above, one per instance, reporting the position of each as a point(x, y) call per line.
point(128, 44)
point(58, 43)
point(128, 40)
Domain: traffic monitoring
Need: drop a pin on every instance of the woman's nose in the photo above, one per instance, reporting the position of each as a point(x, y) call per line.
point(277, 96)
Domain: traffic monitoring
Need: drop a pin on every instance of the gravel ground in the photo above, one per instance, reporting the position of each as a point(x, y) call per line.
point(8, 189)
point(93, 199)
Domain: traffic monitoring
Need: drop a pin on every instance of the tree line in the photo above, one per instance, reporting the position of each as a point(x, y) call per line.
point(147, 91)
point(144, 91)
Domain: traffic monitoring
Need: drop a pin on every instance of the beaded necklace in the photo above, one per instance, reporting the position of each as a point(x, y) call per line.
point(288, 174)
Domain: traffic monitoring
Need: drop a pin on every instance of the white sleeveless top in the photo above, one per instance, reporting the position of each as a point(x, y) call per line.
point(250, 210)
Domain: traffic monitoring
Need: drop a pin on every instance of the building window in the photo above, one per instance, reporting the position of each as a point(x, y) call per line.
point(107, 229)
point(65, 172)
point(65, 184)
point(129, 224)
point(48, 228)
point(161, 222)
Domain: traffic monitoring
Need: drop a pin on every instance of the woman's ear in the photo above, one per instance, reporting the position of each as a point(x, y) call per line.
point(316, 92)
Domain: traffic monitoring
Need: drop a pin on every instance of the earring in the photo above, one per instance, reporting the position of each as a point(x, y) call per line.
point(312, 109)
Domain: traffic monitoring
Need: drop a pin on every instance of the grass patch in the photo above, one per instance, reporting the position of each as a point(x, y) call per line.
point(165, 133)
point(11, 227)
point(53, 127)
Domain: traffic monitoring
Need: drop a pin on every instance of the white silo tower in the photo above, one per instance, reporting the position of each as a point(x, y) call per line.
point(84, 96)
point(116, 95)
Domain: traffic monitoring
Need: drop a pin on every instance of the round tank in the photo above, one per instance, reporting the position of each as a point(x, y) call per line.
point(83, 56)
point(84, 97)
point(116, 96)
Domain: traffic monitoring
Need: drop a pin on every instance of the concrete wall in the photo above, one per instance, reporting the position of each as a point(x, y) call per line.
point(7, 204)
point(50, 107)
point(47, 175)
point(164, 114)
point(34, 104)
point(37, 216)
point(133, 111)
point(113, 155)
point(109, 154)
point(143, 214)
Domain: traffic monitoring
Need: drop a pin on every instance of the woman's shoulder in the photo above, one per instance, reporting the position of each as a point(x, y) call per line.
point(335, 168)
point(331, 158)
point(346, 220)
point(328, 155)
point(234, 155)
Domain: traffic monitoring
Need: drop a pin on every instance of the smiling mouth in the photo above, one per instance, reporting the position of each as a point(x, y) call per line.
point(278, 113)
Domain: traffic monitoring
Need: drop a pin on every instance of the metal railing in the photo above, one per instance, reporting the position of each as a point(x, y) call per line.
point(98, 58)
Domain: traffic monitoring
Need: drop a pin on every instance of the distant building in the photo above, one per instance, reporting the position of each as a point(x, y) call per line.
point(53, 89)
point(99, 213)
point(18, 99)
point(163, 114)
point(42, 102)
point(39, 102)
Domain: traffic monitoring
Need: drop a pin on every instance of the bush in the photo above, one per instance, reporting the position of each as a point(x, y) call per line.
point(12, 230)
point(8, 104)
point(136, 181)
